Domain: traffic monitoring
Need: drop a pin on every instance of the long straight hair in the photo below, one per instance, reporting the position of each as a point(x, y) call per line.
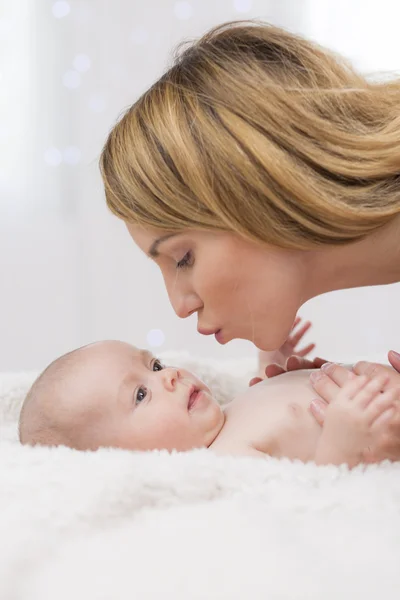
point(260, 132)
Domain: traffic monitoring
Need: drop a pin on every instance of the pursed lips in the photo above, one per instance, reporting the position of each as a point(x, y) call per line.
point(204, 331)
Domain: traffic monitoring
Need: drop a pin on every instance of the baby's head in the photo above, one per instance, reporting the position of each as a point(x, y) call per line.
point(112, 394)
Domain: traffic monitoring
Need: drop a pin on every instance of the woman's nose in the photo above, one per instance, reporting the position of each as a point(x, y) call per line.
point(185, 305)
point(170, 376)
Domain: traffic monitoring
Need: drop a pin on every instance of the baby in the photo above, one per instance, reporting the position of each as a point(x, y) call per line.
point(112, 394)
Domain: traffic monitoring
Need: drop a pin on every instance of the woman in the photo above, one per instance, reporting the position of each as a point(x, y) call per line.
point(258, 172)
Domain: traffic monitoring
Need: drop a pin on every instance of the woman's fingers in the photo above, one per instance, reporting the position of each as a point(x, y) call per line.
point(318, 362)
point(318, 409)
point(337, 373)
point(353, 389)
point(273, 370)
point(324, 386)
point(382, 404)
point(329, 380)
point(370, 369)
point(296, 363)
point(394, 359)
point(385, 416)
point(296, 322)
point(371, 392)
point(306, 350)
point(373, 369)
point(296, 337)
point(254, 381)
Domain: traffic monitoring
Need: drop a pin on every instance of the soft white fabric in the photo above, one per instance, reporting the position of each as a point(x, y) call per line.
point(115, 525)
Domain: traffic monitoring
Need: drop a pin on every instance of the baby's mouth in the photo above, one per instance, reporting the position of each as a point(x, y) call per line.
point(193, 395)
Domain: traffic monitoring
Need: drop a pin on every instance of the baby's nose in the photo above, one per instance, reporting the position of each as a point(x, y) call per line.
point(170, 377)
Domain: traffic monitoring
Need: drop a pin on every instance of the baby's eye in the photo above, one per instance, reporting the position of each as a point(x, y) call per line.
point(140, 395)
point(157, 366)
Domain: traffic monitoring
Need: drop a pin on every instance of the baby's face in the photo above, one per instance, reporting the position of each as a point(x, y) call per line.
point(126, 398)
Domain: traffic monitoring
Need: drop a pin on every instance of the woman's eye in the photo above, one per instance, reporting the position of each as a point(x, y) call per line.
point(186, 261)
point(157, 366)
point(140, 395)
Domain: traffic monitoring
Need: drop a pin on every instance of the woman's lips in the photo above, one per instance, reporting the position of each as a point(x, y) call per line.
point(219, 337)
point(216, 332)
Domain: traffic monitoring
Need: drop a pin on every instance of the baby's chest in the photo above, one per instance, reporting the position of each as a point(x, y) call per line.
point(271, 418)
point(259, 424)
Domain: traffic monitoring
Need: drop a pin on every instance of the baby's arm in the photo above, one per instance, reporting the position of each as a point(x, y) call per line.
point(359, 415)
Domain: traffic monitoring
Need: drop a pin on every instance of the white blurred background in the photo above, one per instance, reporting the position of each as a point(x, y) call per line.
point(69, 272)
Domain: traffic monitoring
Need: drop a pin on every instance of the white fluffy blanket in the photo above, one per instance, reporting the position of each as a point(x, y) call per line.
point(115, 525)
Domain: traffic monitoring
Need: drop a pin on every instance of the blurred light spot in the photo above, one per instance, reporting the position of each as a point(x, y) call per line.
point(53, 157)
point(183, 10)
point(97, 103)
point(71, 79)
point(243, 6)
point(72, 155)
point(82, 63)
point(139, 36)
point(61, 9)
point(155, 337)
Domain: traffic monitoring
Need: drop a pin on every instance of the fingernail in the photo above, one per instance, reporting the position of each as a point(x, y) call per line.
point(326, 366)
point(316, 375)
point(316, 406)
point(397, 355)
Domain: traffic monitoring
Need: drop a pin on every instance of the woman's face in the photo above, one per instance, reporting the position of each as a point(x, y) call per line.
point(238, 289)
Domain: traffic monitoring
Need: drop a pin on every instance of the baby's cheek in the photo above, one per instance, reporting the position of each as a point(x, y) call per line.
point(173, 432)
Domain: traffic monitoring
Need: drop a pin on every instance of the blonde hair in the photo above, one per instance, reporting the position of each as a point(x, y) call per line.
point(257, 131)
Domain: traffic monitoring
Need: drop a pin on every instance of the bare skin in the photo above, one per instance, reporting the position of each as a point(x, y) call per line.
point(288, 350)
point(331, 379)
point(112, 394)
point(359, 415)
point(334, 378)
point(253, 291)
point(272, 418)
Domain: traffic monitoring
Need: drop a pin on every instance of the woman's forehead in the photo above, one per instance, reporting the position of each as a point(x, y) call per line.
point(144, 236)
point(148, 239)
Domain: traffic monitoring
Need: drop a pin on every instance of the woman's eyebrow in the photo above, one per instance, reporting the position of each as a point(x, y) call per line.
point(153, 250)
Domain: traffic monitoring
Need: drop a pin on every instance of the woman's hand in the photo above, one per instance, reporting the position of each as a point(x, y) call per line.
point(331, 379)
point(356, 420)
point(295, 363)
point(289, 348)
point(394, 359)
point(287, 357)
